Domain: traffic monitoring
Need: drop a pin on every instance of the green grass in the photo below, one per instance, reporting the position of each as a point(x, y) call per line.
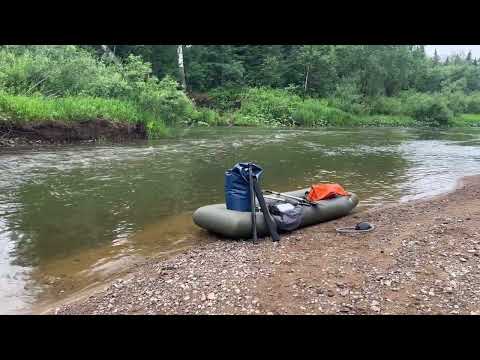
point(25, 109)
point(466, 120)
point(36, 108)
point(270, 109)
point(385, 120)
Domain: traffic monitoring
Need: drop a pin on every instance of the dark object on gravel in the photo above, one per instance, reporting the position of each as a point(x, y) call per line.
point(363, 226)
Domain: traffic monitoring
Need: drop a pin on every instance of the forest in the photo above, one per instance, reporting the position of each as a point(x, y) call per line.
point(169, 86)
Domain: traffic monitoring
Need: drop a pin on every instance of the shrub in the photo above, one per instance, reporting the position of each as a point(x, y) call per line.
point(385, 106)
point(347, 97)
point(225, 99)
point(271, 107)
point(386, 120)
point(457, 101)
point(166, 101)
point(432, 111)
point(66, 71)
point(473, 103)
point(209, 117)
point(312, 112)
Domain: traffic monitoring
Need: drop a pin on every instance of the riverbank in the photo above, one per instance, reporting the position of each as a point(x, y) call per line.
point(422, 258)
point(56, 132)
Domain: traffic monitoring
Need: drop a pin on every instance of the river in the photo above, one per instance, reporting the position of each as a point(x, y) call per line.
point(73, 216)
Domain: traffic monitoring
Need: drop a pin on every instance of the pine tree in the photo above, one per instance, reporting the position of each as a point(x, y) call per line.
point(436, 58)
point(469, 57)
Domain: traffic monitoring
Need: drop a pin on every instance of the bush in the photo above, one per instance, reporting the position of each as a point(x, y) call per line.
point(473, 103)
point(467, 120)
point(204, 116)
point(312, 112)
point(432, 111)
point(386, 120)
point(272, 107)
point(455, 101)
point(225, 99)
point(165, 101)
point(383, 105)
point(347, 97)
point(66, 71)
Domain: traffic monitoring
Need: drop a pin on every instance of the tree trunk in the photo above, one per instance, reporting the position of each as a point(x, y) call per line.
point(306, 79)
point(181, 68)
point(110, 54)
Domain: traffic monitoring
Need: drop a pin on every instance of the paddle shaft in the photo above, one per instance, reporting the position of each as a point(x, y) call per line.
point(295, 202)
point(302, 201)
point(252, 200)
point(271, 226)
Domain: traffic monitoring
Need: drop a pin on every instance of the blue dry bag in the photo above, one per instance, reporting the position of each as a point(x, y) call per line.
point(237, 187)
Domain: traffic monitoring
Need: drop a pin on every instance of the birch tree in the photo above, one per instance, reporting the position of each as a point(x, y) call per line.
point(181, 67)
point(110, 54)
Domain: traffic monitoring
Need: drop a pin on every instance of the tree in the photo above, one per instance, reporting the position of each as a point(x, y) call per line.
point(181, 68)
point(436, 58)
point(469, 57)
point(110, 54)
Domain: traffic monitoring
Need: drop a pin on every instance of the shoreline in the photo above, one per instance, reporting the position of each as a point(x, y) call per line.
point(413, 262)
point(46, 134)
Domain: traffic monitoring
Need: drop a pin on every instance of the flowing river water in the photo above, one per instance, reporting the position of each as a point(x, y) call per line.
point(73, 216)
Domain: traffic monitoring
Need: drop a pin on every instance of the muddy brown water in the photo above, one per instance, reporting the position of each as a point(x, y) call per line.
point(74, 216)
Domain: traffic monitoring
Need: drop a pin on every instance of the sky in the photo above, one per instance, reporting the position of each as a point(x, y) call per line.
point(446, 50)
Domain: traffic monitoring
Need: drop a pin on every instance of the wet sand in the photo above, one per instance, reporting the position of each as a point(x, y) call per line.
point(422, 258)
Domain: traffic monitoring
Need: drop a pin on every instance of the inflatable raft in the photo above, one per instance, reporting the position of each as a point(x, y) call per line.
point(237, 224)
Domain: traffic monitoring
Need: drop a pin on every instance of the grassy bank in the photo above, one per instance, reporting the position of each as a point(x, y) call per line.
point(286, 108)
point(21, 110)
point(68, 84)
point(258, 108)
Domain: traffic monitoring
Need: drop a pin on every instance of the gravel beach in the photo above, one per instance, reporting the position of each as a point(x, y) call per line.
point(422, 258)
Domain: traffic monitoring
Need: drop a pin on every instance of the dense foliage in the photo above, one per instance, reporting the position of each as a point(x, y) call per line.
point(369, 69)
point(255, 85)
point(54, 82)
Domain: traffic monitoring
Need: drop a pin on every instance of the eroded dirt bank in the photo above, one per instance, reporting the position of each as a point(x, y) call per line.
point(55, 132)
point(422, 258)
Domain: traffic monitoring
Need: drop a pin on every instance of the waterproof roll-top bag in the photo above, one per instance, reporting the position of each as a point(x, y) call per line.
point(237, 189)
point(319, 192)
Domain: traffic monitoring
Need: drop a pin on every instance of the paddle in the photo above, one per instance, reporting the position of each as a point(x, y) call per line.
point(300, 200)
point(252, 200)
point(271, 225)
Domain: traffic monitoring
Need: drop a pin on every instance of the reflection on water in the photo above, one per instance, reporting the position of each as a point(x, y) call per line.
point(75, 215)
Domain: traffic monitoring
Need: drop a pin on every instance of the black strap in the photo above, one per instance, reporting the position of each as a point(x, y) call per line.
point(271, 225)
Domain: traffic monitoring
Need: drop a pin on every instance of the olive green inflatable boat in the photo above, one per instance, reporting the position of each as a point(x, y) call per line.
point(236, 224)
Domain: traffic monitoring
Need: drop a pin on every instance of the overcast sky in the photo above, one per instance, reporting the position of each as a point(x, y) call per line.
point(446, 50)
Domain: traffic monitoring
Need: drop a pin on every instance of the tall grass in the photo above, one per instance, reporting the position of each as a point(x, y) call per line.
point(36, 108)
point(465, 120)
point(24, 109)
